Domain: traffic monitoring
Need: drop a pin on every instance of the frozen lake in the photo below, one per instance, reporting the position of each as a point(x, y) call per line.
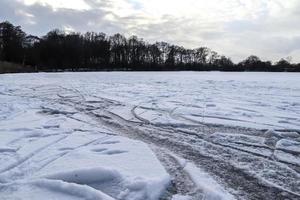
point(150, 135)
point(259, 100)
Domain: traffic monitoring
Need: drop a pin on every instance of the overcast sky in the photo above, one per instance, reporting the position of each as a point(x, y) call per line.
point(235, 28)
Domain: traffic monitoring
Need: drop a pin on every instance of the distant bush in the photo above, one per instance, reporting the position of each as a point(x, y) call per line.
point(7, 67)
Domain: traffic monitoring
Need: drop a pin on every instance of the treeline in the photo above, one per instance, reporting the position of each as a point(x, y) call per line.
point(58, 50)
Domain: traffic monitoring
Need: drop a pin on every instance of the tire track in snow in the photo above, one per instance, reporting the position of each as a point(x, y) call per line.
point(24, 159)
point(67, 152)
point(244, 183)
point(181, 183)
point(121, 124)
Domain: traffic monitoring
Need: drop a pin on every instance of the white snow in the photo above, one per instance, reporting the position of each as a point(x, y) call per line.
point(50, 151)
point(260, 100)
point(50, 189)
point(209, 187)
point(288, 150)
point(50, 148)
point(181, 197)
point(290, 145)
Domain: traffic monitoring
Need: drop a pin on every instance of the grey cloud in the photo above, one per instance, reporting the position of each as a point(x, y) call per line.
point(270, 37)
point(46, 18)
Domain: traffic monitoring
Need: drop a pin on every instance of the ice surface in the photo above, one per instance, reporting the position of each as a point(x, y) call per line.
point(260, 100)
point(50, 189)
point(48, 150)
point(289, 145)
point(52, 142)
point(210, 189)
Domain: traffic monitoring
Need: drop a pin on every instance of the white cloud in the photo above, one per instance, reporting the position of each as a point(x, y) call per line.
point(56, 4)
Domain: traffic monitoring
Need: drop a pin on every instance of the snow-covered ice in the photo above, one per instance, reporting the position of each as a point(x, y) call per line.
point(204, 183)
point(78, 135)
point(48, 152)
point(260, 100)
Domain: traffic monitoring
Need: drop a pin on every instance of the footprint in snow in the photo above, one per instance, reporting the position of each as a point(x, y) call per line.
point(113, 152)
point(7, 149)
point(66, 149)
point(110, 142)
point(104, 151)
point(99, 150)
point(54, 123)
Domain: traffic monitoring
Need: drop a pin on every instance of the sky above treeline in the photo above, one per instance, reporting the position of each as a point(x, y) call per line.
point(235, 28)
